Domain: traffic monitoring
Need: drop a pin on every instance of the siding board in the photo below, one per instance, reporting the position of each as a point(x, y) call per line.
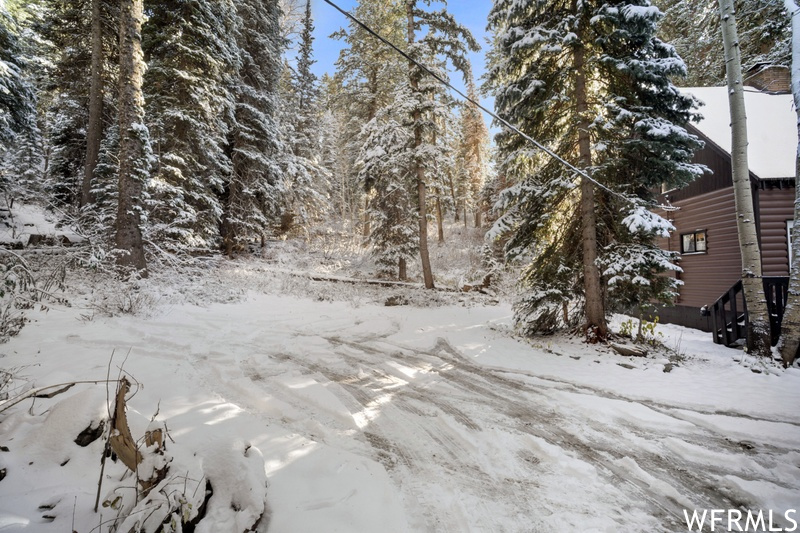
point(707, 276)
point(776, 206)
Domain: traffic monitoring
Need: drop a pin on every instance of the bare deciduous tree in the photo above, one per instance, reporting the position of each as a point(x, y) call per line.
point(758, 333)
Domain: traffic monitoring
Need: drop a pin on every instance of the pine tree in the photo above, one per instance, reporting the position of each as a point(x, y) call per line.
point(385, 159)
point(94, 130)
point(64, 31)
point(444, 159)
point(334, 152)
point(306, 181)
point(21, 165)
point(369, 75)
point(449, 40)
point(135, 154)
point(15, 94)
point(192, 57)
point(693, 27)
point(252, 196)
point(592, 81)
point(306, 93)
point(473, 156)
point(20, 138)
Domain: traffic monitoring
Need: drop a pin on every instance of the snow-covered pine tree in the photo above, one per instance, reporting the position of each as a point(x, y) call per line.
point(60, 41)
point(252, 195)
point(192, 57)
point(450, 41)
point(63, 28)
point(334, 156)
point(693, 27)
point(21, 165)
point(97, 89)
point(592, 81)
point(306, 93)
point(20, 138)
point(473, 156)
point(305, 179)
point(369, 74)
point(443, 162)
point(386, 160)
point(439, 159)
point(16, 98)
point(135, 155)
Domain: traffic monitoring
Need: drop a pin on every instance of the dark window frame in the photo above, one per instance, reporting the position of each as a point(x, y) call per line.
point(694, 241)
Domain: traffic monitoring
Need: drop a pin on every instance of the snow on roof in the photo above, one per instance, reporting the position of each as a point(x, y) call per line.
point(771, 128)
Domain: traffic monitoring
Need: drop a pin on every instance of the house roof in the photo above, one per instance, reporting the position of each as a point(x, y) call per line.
point(771, 128)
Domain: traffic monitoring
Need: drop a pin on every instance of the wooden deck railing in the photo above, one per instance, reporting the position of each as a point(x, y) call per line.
point(729, 318)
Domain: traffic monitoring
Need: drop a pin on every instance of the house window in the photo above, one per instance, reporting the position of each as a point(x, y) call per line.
point(693, 243)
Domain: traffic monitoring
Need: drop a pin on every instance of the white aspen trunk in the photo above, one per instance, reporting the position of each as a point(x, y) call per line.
point(758, 332)
point(790, 327)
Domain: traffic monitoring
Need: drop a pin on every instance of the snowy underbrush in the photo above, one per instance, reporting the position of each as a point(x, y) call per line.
point(26, 282)
point(68, 442)
point(667, 353)
point(231, 281)
point(326, 265)
point(457, 261)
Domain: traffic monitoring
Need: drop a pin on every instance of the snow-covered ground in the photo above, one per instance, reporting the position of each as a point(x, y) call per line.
point(409, 418)
point(23, 222)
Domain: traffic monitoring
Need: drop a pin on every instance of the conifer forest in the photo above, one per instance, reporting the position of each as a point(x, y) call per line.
point(447, 278)
point(165, 131)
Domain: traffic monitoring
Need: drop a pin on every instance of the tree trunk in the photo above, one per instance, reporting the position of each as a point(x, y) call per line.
point(453, 196)
point(596, 326)
point(439, 219)
point(790, 327)
point(758, 332)
point(228, 229)
point(419, 172)
point(133, 139)
point(94, 130)
point(427, 274)
point(367, 230)
point(402, 269)
point(478, 216)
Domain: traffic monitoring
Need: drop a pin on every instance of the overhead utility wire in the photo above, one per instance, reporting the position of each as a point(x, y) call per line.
point(503, 121)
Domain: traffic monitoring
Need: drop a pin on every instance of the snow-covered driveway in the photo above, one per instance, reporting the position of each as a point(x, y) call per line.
point(375, 418)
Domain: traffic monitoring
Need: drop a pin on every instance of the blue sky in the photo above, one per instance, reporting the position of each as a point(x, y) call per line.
point(470, 13)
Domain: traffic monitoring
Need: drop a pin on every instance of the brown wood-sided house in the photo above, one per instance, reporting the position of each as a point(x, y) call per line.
point(705, 221)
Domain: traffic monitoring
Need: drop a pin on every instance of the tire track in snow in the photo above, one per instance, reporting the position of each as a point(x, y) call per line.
point(424, 428)
point(508, 395)
point(435, 445)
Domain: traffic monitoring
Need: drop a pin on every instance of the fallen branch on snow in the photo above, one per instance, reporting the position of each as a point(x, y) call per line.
point(629, 351)
point(40, 392)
